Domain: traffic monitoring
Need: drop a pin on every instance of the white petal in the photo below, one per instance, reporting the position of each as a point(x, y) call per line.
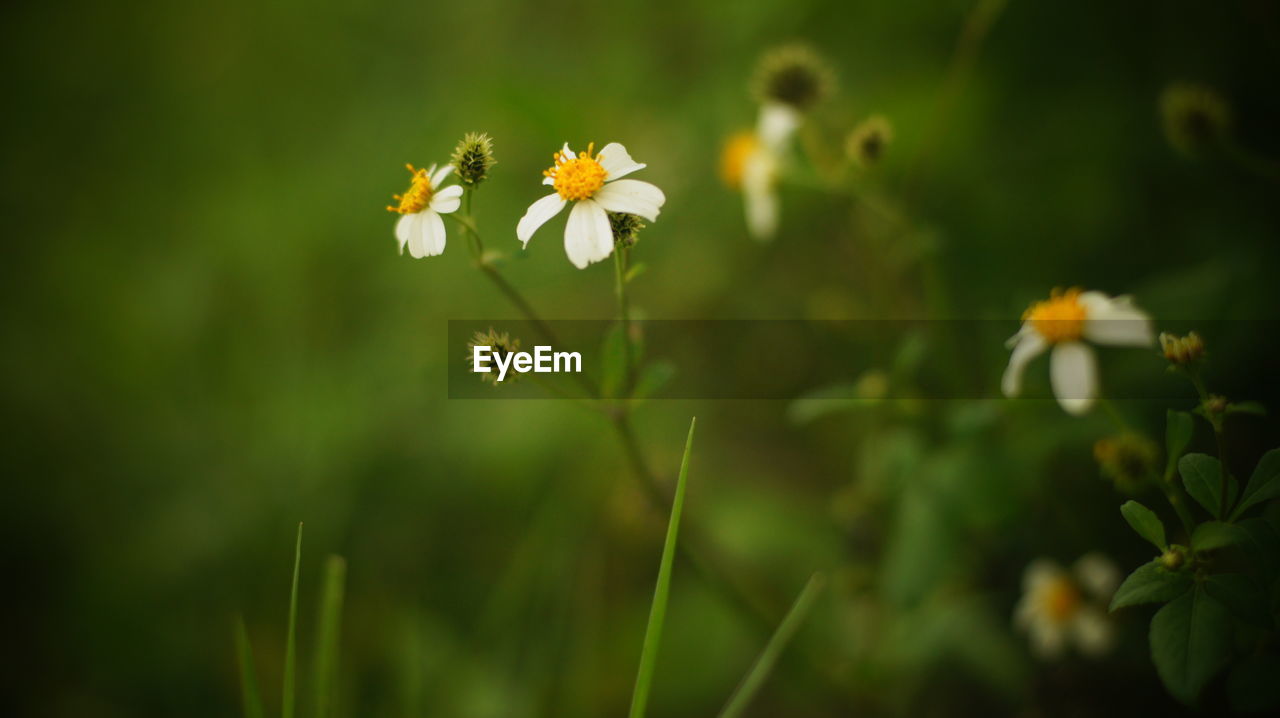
point(1073, 372)
point(1029, 345)
point(438, 177)
point(1116, 321)
point(537, 215)
point(758, 197)
point(417, 247)
point(1098, 575)
point(1047, 638)
point(568, 153)
point(406, 228)
point(446, 200)
point(615, 160)
point(1092, 631)
point(631, 196)
point(587, 235)
point(431, 230)
point(549, 181)
point(776, 124)
point(1038, 573)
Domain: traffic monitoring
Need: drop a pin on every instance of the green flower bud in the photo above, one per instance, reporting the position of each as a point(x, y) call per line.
point(867, 142)
point(1181, 350)
point(626, 228)
point(1173, 558)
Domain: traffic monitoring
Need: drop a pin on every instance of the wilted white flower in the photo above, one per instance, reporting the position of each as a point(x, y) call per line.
point(750, 163)
point(1063, 321)
point(593, 183)
point(421, 227)
point(1060, 607)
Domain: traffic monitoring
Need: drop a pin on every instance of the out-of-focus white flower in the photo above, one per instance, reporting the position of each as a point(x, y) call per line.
point(593, 184)
point(1060, 607)
point(421, 227)
point(1063, 321)
point(750, 164)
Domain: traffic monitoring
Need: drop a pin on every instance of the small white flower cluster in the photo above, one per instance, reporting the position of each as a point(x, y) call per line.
point(1061, 607)
point(592, 182)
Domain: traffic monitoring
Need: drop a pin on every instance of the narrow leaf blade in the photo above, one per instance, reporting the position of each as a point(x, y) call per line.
point(658, 609)
point(287, 693)
point(329, 634)
point(760, 670)
point(250, 696)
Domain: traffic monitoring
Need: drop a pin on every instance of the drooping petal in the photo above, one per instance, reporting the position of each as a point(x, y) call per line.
point(446, 200)
point(1073, 373)
point(1098, 575)
point(1029, 346)
point(615, 160)
point(587, 235)
point(631, 196)
point(406, 228)
point(537, 215)
point(776, 124)
point(417, 247)
point(433, 234)
point(439, 176)
point(1092, 631)
point(1116, 321)
point(758, 196)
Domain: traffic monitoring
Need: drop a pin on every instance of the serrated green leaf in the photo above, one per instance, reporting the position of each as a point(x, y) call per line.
point(1202, 476)
point(1145, 522)
point(1190, 642)
point(1264, 484)
point(1150, 583)
point(1243, 596)
point(1178, 430)
point(1262, 545)
point(1211, 535)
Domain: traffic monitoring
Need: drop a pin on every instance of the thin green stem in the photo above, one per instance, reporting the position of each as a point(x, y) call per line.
point(1220, 439)
point(620, 257)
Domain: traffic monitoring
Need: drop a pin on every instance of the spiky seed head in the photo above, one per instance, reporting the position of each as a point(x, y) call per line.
point(793, 75)
point(867, 143)
point(501, 344)
point(1195, 117)
point(626, 228)
point(473, 157)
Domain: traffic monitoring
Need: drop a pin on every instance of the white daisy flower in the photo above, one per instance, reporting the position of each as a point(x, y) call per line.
point(593, 184)
point(1063, 321)
point(1060, 607)
point(751, 161)
point(421, 227)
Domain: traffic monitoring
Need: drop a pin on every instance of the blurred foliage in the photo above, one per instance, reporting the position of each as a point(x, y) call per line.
point(208, 337)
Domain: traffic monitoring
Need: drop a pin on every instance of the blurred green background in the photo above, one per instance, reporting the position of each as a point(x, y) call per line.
point(208, 337)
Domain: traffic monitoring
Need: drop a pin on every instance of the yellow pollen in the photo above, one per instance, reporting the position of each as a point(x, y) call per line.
point(577, 178)
point(1060, 318)
point(733, 159)
point(417, 197)
point(1060, 599)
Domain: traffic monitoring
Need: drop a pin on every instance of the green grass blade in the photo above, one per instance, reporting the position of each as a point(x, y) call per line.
point(769, 656)
point(330, 630)
point(658, 610)
point(287, 695)
point(249, 694)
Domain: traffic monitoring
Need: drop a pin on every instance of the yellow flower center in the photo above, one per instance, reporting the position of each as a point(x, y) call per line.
point(1060, 599)
point(577, 178)
point(1060, 318)
point(417, 197)
point(733, 160)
